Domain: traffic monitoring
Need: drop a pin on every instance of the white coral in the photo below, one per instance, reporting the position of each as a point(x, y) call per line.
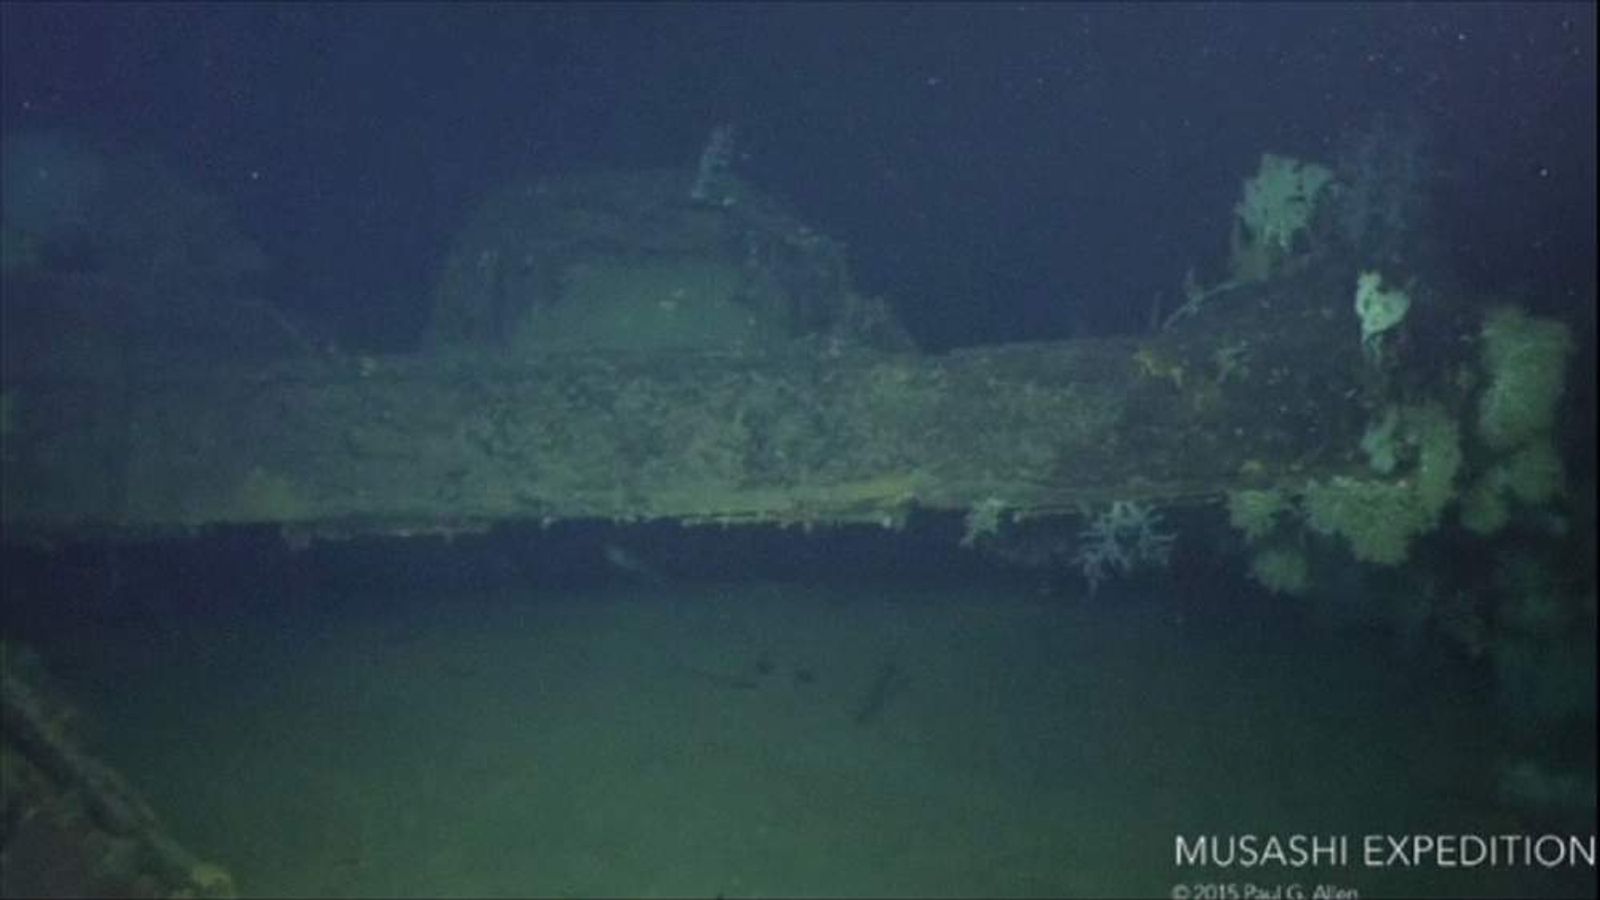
point(1124, 537)
point(1279, 201)
point(1380, 309)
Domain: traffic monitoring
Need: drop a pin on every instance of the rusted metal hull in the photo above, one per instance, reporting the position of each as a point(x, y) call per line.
point(811, 435)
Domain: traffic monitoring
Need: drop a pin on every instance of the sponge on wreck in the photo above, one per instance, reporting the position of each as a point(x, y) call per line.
point(1526, 360)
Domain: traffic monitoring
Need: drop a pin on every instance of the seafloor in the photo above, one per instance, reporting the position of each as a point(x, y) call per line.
point(656, 737)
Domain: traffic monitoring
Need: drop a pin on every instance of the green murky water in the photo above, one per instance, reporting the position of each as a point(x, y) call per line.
point(774, 739)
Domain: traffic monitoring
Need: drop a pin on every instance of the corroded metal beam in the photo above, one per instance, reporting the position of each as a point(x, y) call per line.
point(810, 435)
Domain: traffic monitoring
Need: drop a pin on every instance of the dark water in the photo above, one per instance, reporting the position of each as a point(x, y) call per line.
point(1000, 172)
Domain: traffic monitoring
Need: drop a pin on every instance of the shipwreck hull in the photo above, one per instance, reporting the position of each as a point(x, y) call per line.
point(810, 435)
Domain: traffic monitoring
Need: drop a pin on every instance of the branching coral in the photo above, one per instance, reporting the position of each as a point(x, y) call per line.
point(1255, 512)
point(1125, 536)
point(1381, 516)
